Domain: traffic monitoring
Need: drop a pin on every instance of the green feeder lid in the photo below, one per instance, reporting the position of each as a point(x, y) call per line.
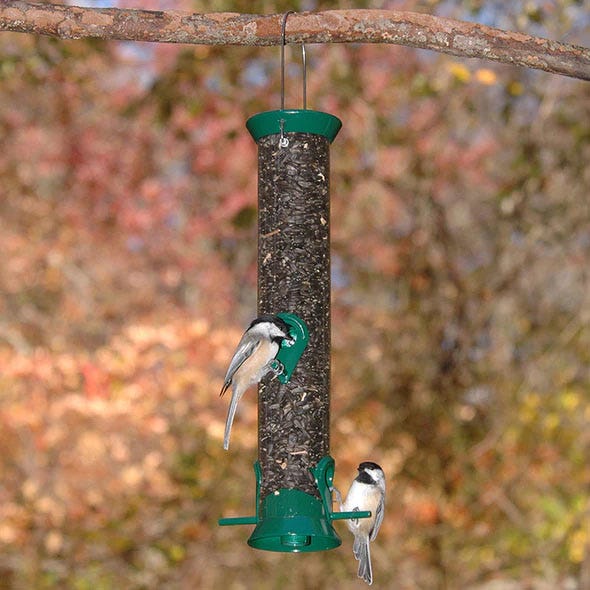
point(294, 121)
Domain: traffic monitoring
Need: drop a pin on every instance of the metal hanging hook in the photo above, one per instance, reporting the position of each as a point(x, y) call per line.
point(304, 76)
point(304, 66)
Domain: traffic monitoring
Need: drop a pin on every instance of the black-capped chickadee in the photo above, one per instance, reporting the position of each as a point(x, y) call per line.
point(367, 492)
point(252, 361)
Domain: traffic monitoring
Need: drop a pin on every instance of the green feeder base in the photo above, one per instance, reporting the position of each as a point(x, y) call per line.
point(292, 521)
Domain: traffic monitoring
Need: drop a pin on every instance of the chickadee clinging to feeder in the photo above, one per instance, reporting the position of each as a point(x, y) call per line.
point(367, 492)
point(252, 361)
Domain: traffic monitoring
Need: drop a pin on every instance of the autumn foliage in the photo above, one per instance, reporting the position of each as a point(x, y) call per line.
point(460, 253)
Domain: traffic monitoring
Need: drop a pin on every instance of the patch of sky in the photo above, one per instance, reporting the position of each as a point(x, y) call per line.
point(93, 3)
point(490, 13)
point(340, 278)
point(141, 52)
point(255, 74)
point(213, 83)
point(139, 57)
point(579, 17)
point(308, 5)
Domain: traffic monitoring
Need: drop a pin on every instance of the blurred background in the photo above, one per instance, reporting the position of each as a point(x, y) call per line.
point(461, 306)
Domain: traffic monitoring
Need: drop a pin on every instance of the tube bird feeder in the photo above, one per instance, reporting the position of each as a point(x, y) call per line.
point(294, 274)
point(294, 471)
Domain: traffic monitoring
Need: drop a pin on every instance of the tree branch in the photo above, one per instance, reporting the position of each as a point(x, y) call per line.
point(445, 35)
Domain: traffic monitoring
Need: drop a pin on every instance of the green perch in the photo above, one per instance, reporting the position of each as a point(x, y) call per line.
point(292, 521)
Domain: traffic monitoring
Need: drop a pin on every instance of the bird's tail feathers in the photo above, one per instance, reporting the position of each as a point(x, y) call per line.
point(362, 552)
point(231, 413)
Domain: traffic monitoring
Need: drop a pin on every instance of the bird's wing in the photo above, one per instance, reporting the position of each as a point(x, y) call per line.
point(246, 348)
point(378, 518)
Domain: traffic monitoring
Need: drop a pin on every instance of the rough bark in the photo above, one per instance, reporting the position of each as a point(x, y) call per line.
point(445, 35)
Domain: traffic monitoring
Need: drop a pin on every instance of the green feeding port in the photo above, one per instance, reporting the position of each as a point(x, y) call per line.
point(291, 521)
point(293, 121)
point(290, 351)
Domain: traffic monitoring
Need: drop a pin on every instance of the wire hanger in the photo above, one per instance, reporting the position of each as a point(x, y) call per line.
point(304, 66)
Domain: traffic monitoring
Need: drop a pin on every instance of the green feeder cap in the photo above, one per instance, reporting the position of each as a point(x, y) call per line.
point(293, 121)
point(294, 522)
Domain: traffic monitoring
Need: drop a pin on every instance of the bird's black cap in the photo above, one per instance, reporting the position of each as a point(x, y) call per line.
point(368, 465)
point(269, 317)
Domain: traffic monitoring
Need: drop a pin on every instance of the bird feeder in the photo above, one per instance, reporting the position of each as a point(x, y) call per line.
point(294, 471)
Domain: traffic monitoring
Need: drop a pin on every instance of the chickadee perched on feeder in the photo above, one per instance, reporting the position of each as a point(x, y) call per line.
point(367, 492)
point(252, 361)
